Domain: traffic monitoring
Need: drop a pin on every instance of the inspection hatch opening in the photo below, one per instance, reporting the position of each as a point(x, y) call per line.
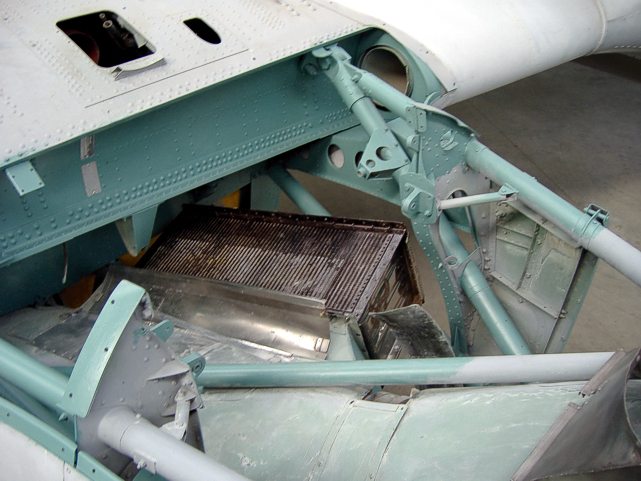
point(106, 38)
point(204, 31)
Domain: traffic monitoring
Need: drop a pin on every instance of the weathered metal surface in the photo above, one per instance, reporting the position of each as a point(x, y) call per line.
point(491, 418)
point(310, 426)
point(586, 228)
point(331, 421)
point(55, 336)
point(414, 334)
point(94, 143)
point(339, 261)
point(593, 435)
point(527, 252)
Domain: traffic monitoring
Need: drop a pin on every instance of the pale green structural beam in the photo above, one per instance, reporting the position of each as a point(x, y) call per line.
point(383, 152)
point(35, 378)
point(296, 192)
point(582, 227)
point(413, 112)
point(435, 371)
point(480, 294)
point(29, 404)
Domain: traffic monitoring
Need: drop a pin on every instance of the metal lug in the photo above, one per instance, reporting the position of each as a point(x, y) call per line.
point(24, 178)
point(196, 363)
point(417, 198)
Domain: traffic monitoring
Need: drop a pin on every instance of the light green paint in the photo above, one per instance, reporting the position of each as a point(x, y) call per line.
point(99, 347)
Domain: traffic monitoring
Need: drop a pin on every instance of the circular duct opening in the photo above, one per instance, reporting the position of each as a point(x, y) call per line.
point(388, 65)
point(336, 156)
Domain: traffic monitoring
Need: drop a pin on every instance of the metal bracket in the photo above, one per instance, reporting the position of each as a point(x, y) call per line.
point(382, 155)
point(136, 230)
point(145, 462)
point(178, 427)
point(24, 178)
point(590, 222)
point(416, 117)
point(597, 213)
point(417, 198)
point(164, 329)
point(453, 264)
point(342, 346)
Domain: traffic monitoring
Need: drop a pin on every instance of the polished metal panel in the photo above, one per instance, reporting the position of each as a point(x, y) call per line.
point(226, 323)
point(282, 322)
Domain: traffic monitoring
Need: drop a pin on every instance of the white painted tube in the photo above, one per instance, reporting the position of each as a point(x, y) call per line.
point(617, 252)
point(158, 451)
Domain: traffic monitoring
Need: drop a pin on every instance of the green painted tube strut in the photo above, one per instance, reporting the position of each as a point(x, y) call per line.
point(29, 404)
point(35, 378)
point(368, 115)
point(435, 371)
point(303, 199)
point(582, 227)
point(482, 297)
point(544, 201)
